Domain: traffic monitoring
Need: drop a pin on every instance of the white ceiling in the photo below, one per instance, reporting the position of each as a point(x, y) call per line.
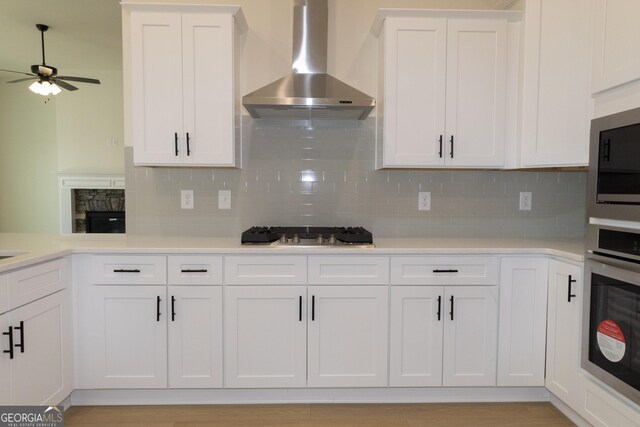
point(83, 34)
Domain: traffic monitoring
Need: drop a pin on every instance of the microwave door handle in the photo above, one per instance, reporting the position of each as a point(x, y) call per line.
point(606, 156)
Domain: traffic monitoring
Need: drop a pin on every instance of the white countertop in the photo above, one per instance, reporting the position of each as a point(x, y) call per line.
point(33, 248)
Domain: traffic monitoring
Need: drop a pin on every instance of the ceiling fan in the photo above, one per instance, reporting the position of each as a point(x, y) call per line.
point(47, 79)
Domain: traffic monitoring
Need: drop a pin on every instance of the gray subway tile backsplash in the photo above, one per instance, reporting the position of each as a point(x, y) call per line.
point(298, 172)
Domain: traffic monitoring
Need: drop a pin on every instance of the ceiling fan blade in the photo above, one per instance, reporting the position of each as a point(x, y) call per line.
point(21, 80)
point(17, 72)
point(79, 79)
point(64, 85)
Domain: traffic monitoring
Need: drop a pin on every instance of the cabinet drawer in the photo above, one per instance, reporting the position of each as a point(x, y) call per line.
point(129, 270)
point(349, 270)
point(194, 270)
point(444, 270)
point(35, 282)
point(267, 270)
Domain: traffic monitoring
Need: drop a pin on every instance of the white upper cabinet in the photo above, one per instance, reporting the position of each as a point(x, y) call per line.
point(184, 84)
point(556, 101)
point(442, 88)
point(616, 59)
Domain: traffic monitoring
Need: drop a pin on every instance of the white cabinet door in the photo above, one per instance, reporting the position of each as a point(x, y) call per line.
point(156, 66)
point(416, 336)
point(207, 55)
point(347, 336)
point(616, 59)
point(563, 334)
point(265, 336)
point(414, 85)
point(128, 347)
point(556, 109)
point(183, 86)
point(476, 92)
point(195, 336)
point(470, 335)
point(523, 322)
point(42, 367)
point(5, 361)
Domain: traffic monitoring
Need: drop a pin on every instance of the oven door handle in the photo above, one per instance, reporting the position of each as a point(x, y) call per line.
point(569, 294)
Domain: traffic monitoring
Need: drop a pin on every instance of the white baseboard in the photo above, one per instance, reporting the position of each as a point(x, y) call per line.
point(568, 412)
point(309, 395)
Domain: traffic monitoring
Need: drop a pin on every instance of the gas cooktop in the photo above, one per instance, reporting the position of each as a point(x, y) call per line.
point(308, 236)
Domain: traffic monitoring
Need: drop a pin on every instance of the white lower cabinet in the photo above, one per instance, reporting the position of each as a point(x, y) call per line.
point(563, 377)
point(443, 335)
point(523, 322)
point(36, 366)
point(272, 332)
point(195, 336)
point(347, 341)
point(265, 336)
point(128, 347)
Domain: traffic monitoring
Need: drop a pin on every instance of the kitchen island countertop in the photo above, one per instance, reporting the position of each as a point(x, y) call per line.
point(33, 248)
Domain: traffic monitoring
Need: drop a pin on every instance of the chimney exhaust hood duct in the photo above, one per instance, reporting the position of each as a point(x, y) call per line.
point(309, 92)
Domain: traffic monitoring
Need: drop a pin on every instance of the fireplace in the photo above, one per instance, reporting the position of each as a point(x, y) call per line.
point(82, 193)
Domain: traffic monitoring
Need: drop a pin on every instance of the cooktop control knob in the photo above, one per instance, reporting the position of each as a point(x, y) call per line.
point(283, 238)
point(332, 239)
point(296, 239)
point(319, 239)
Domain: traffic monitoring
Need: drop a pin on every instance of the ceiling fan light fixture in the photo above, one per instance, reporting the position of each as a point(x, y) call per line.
point(44, 88)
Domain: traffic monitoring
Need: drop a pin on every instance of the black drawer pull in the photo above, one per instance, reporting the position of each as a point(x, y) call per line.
point(175, 141)
point(439, 305)
point(569, 294)
point(188, 270)
point(173, 308)
point(451, 313)
point(440, 151)
point(188, 147)
point(300, 309)
point(158, 299)
point(21, 345)
point(125, 270)
point(10, 333)
point(313, 308)
point(445, 271)
point(451, 146)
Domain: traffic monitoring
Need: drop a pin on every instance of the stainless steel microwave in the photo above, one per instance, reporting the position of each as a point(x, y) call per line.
point(614, 167)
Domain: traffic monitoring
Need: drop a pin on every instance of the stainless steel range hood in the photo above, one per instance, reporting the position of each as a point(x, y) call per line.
point(309, 92)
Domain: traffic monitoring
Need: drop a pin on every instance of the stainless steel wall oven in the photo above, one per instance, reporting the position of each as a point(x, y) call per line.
point(611, 311)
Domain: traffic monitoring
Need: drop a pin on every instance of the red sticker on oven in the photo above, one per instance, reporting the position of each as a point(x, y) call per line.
point(611, 340)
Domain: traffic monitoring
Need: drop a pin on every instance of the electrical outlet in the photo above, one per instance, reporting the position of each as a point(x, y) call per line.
point(224, 199)
point(424, 201)
point(525, 200)
point(186, 199)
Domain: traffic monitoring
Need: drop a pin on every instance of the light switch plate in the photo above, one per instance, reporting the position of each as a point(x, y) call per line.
point(224, 199)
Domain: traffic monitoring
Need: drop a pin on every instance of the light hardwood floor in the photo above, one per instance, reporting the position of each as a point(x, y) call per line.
point(339, 415)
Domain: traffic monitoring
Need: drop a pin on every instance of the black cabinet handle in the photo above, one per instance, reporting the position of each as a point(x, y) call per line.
point(451, 312)
point(188, 147)
point(440, 152)
point(439, 305)
point(158, 308)
point(188, 270)
point(445, 271)
point(21, 345)
point(313, 308)
point(173, 308)
point(300, 309)
point(175, 141)
point(569, 294)
point(451, 146)
point(10, 351)
point(124, 270)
